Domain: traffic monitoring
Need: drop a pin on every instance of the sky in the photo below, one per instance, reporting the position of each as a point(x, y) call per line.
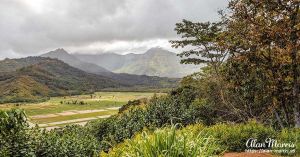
point(33, 27)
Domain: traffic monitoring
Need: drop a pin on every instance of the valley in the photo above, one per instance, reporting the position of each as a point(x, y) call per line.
point(77, 109)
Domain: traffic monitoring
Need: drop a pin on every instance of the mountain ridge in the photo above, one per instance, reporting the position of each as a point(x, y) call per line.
point(154, 62)
point(130, 79)
point(63, 55)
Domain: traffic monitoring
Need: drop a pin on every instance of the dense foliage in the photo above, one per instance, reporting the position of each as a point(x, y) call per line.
point(167, 143)
point(180, 106)
point(160, 111)
point(17, 139)
point(268, 54)
point(69, 141)
point(15, 136)
point(253, 56)
point(133, 103)
point(200, 140)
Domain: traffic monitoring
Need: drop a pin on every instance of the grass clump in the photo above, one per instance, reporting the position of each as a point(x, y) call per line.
point(167, 142)
point(201, 140)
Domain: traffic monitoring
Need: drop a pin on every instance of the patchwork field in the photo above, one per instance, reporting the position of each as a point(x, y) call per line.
point(79, 109)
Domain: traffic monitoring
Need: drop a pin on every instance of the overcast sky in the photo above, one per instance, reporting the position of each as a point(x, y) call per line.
point(32, 27)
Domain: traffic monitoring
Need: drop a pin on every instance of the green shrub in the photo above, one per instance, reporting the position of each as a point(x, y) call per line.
point(17, 139)
point(15, 135)
point(115, 129)
point(234, 136)
point(133, 103)
point(68, 141)
point(223, 137)
point(290, 136)
point(159, 112)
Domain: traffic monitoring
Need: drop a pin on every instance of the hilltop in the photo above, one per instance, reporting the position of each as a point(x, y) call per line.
point(64, 56)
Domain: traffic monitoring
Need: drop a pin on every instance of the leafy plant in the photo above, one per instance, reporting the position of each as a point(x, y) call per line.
point(17, 139)
point(15, 136)
point(167, 142)
point(69, 141)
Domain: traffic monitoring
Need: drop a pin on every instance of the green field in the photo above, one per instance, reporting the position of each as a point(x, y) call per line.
point(100, 100)
point(69, 108)
point(70, 117)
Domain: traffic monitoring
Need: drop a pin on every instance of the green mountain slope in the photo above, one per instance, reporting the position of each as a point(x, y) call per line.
point(9, 65)
point(50, 77)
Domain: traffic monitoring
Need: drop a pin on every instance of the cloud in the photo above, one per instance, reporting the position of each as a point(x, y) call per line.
point(34, 26)
point(122, 47)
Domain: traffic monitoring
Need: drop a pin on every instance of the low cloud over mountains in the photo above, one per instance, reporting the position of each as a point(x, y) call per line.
point(35, 26)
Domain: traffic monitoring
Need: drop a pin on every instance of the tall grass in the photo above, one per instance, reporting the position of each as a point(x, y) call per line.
point(201, 141)
point(166, 143)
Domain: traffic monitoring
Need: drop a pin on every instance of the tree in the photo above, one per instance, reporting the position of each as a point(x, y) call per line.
point(202, 41)
point(258, 40)
point(265, 34)
point(206, 43)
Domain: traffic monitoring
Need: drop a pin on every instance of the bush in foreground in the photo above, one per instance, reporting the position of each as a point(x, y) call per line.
point(15, 135)
point(71, 140)
point(166, 142)
point(200, 140)
point(17, 139)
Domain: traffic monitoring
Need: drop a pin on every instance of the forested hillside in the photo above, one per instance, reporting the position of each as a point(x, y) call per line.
point(9, 65)
point(49, 77)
